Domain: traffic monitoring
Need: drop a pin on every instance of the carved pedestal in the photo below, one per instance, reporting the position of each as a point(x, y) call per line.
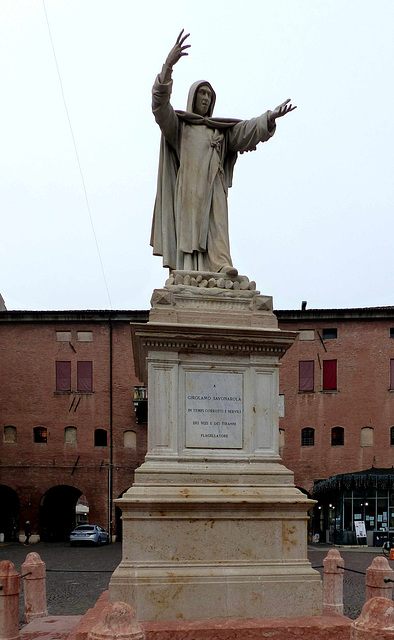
point(213, 526)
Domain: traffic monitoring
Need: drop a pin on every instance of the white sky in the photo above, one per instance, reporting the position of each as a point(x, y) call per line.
point(311, 211)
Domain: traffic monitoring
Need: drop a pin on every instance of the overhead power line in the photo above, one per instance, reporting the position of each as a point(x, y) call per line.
point(77, 156)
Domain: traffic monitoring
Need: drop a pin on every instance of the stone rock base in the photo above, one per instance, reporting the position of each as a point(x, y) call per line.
point(333, 627)
point(194, 552)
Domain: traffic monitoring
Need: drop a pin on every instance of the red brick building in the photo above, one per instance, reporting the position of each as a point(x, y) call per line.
point(338, 387)
point(70, 433)
point(68, 421)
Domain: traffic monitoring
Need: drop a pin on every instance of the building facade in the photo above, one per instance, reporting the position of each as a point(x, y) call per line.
point(73, 418)
point(337, 433)
point(70, 433)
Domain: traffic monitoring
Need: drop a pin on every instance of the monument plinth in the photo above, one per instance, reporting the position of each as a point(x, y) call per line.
point(213, 526)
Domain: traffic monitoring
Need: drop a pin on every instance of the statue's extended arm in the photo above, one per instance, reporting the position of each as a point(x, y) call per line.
point(176, 53)
point(280, 111)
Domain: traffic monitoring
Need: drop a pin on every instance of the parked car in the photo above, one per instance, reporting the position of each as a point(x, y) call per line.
point(91, 533)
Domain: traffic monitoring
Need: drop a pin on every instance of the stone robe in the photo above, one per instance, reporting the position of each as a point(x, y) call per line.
point(197, 157)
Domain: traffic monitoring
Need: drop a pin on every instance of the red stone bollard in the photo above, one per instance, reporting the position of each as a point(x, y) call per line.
point(118, 620)
point(376, 621)
point(34, 587)
point(10, 582)
point(333, 582)
point(375, 580)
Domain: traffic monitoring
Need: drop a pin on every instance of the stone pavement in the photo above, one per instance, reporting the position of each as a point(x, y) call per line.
point(356, 558)
point(77, 576)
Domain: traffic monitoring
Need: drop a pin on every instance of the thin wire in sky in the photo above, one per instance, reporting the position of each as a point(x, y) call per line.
point(77, 156)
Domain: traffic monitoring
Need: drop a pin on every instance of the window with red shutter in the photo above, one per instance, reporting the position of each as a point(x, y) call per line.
point(84, 376)
point(63, 375)
point(306, 370)
point(329, 375)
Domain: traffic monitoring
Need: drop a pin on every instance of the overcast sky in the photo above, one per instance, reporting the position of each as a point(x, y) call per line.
point(311, 211)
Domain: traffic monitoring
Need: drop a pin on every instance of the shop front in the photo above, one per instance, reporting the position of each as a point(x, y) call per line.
point(355, 508)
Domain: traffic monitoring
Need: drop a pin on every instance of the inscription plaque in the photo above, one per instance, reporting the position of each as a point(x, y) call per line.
point(214, 410)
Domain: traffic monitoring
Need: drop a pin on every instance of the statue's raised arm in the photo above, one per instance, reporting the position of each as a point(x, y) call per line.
point(197, 157)
point(176, 53)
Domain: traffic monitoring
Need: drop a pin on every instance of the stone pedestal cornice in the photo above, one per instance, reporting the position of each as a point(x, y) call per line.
point(206, 339)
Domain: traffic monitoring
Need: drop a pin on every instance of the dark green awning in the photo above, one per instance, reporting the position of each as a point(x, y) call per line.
point(368, 478)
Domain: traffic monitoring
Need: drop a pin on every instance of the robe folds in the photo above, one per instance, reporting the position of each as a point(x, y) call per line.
point(197, 158)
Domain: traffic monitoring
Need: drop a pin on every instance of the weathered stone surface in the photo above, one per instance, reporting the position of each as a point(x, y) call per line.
point(333, 582)
point(211, 530)
point(34, 587)
point(377, 586)
point(376, 621)
point(9, 601)
point(118, 622)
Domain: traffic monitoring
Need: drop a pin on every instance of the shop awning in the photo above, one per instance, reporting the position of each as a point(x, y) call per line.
point(368, 478)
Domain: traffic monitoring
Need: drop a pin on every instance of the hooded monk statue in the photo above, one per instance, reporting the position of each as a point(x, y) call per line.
point(197, 157)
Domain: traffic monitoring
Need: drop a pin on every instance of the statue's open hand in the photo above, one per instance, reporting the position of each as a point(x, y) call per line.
point(178, 50)
point(283, 108)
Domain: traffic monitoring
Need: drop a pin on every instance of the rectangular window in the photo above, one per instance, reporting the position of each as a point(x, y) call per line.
point(85, 336)
point(330, 334)
point(84, 376)
point(63, 375)
point(306, 334)
point(391, 332)
point(392, 373)
point(306, 370)
point(329, 375)
point(63, 336)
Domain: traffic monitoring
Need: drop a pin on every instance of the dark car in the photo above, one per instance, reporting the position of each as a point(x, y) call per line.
point(92, 533)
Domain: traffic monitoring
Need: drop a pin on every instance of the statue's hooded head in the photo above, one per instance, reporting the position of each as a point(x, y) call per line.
point(193, 95)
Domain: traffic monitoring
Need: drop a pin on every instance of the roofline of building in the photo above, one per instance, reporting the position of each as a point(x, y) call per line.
point(138, 315)
point(308, 315)
point(75, 316)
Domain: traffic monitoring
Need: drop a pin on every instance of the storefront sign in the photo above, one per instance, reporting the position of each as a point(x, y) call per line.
point(359, 525)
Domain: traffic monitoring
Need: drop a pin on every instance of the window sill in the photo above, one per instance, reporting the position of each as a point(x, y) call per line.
point(304, 392)
point(329, 391)
point(77, 393)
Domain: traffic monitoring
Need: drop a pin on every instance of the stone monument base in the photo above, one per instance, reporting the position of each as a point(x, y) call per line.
point(213, 526)
point(202, 552)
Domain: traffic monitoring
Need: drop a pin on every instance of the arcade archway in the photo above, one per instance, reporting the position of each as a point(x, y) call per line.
point(57, 513)
point(9, 513)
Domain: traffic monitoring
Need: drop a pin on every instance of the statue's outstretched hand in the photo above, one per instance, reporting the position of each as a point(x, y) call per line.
point(280, 111)
point(178, 50)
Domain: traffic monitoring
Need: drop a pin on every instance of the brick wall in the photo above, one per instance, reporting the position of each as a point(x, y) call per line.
point(28, 352)
point(363, 349)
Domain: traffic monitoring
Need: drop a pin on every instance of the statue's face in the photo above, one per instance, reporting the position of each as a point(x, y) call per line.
point(202, 100)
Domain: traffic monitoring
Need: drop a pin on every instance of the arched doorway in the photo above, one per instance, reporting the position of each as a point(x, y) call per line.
point(9, 513)
point(57, 512)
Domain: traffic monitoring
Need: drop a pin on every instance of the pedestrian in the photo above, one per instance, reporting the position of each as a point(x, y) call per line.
point(27, 532)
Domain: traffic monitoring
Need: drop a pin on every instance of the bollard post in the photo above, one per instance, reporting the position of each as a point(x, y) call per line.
point(376, 621)
point(333, 582)
point(377, 587)
point(34, 587)
point(10, 582)
point(117, 622)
